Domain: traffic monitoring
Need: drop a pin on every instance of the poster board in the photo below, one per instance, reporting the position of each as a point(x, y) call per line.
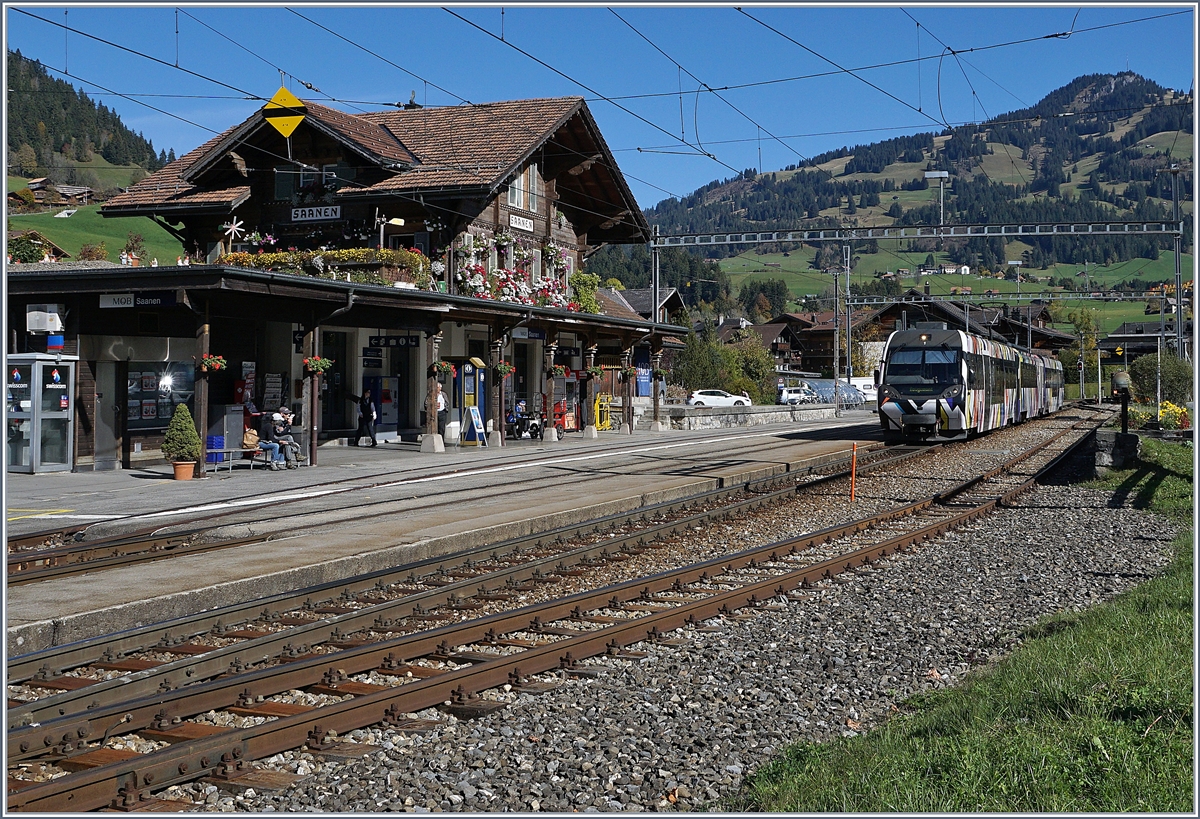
point(473, 431)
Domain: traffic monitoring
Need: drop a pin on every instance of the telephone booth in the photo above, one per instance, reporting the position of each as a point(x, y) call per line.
point(470, 390)
point(41, 402)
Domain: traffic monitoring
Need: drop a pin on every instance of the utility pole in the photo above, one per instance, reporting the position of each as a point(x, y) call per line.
point(849, 328)
point(1081, 357)
point(1017, 265)
point(654, 277)
point(837, 363)
point(1179, 349)
point(941, 177)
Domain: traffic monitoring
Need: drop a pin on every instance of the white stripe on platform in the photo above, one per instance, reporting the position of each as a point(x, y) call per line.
point(263, 500)
point(78, 517)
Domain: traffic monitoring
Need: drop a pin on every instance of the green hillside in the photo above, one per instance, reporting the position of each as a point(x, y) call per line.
point(794, 270)
point(1078, 155)
point(57, 131)
point(87, 226)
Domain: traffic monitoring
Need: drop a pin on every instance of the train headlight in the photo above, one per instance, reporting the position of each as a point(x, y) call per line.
point(953, 392)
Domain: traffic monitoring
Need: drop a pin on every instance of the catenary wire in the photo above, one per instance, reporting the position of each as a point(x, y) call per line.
point(448, 92)
point(849, 71)
point(568, 77)
point(705, 85)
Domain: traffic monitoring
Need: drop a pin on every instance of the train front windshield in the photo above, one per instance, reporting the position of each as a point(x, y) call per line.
point(922, 370)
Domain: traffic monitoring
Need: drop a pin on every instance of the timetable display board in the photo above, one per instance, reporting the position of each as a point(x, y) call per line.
point(154, 388)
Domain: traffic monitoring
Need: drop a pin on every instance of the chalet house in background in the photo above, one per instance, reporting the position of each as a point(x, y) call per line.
point(778, 338)
point(52, 252)
point(670, 304)
point(1135, 339)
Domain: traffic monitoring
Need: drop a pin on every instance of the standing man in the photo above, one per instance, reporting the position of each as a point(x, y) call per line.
point(366, 419)
point(442, 410)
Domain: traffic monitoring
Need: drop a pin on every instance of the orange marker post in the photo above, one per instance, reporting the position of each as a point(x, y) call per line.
point(853, 468)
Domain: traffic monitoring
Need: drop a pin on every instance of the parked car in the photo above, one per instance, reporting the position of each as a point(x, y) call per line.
point(803, 394)
point(717, 398)
point(849, 396)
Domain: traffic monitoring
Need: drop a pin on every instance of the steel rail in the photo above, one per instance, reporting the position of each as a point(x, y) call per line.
point(47, 564)
point(64, 732)
point(222, 660)
point(127, 784)
point(79, 653)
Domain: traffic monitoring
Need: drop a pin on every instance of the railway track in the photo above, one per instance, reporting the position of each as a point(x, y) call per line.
point(397, 667)
point(168, 654)
point(63, 552)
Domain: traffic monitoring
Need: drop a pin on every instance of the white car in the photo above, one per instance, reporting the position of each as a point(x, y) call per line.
point(717, 398)
point(797, 395)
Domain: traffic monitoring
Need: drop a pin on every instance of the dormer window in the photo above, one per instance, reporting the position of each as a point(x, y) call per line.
point(525, 190)
point(516, 191)
point(535, 187)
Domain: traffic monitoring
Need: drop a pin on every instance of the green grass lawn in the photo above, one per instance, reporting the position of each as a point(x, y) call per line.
point(1093, 713)
point(87, 226)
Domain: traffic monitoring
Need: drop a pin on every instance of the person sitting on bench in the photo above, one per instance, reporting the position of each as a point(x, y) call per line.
point(284, 431)
point(268, 441)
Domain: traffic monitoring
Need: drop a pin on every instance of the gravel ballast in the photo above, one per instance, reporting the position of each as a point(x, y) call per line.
point(682, 727)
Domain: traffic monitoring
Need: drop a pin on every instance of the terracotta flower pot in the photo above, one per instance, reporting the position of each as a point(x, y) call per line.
point(183, 470)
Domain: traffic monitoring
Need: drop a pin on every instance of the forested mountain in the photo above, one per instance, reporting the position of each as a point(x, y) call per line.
point(51, 126)
point(1091, 151)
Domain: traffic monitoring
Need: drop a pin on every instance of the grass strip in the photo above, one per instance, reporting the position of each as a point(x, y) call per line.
point(1093, 713)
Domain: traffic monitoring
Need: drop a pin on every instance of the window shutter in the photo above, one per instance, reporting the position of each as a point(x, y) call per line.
point(535, 190)
point(285, 183)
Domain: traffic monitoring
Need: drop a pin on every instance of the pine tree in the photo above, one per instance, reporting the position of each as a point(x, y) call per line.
point(181, 442)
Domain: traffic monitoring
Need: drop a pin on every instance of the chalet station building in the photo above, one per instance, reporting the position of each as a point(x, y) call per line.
point(405, 248)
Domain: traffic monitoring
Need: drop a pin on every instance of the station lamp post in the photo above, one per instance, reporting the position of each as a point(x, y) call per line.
point(1029, 318)
point(941, 177)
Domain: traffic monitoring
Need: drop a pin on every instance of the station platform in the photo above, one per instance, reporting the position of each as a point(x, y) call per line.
point(368, 508)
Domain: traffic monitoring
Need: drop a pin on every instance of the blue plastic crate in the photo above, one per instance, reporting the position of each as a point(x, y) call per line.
point(215, 442)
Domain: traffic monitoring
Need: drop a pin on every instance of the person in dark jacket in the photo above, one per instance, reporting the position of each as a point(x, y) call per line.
point(366, 420)
point(268, 440)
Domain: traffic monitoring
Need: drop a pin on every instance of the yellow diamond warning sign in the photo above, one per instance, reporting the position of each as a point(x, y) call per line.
point(284, 111)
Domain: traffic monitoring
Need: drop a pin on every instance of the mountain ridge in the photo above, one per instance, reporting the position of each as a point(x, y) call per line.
point(1097, 121)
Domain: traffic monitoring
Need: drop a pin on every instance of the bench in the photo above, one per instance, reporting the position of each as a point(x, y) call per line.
point(235, 454)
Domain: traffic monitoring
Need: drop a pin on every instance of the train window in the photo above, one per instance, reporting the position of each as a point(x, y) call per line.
point(1028, 374)
point(922, 370)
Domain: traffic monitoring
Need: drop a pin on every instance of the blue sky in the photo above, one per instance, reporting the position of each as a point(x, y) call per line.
point(804, 70)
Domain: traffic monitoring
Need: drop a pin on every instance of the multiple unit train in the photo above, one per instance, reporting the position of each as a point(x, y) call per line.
point(939, 384)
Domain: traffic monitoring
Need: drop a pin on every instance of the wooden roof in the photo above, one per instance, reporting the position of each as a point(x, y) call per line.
point(470, 149)
point(59, 253)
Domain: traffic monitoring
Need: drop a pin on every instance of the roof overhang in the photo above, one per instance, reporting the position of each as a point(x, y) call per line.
point(256, 285)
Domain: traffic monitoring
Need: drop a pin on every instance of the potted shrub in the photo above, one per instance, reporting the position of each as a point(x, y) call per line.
point(135, 248)
point(181, 444)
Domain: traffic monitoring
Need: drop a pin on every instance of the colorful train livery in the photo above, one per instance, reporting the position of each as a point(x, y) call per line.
point(939, 384)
